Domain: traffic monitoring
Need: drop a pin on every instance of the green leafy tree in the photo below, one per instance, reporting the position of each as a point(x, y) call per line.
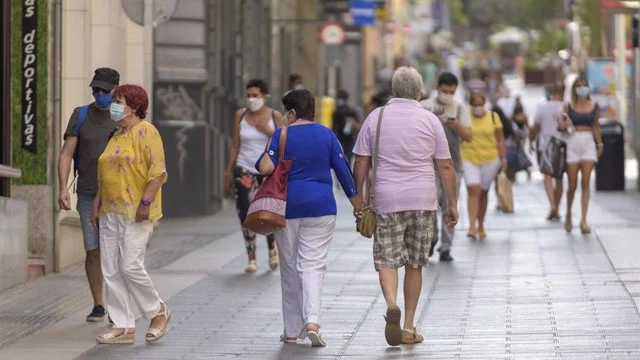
point(588, 14)
point(457, 12)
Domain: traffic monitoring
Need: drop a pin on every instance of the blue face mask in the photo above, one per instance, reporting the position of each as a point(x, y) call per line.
point(103, 100)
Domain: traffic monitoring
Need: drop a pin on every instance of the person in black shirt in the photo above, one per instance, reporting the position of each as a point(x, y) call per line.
point(346, 123)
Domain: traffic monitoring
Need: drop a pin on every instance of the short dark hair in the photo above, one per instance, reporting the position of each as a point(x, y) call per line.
point(558, 88)
point(447, 78)
point(260, 84)
point(343, 94)
point(294, 78)
point(302, 101)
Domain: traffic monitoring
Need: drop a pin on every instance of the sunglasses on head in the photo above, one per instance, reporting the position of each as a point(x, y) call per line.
point(99, 89)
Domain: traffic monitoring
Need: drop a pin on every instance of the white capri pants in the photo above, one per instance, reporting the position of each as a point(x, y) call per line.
point(302, 248)
point(580, 147)
point(481, 174)
point(122, 247)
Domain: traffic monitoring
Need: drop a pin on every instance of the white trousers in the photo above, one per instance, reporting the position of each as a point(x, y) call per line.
point(122, 247)
point(302, 247)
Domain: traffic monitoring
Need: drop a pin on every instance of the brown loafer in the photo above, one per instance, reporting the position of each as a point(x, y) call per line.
point(411, 337)
point(392, 330)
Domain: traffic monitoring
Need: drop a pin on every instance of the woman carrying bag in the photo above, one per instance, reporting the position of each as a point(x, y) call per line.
point(581, 130)
point(484, 156)
point(310, 213)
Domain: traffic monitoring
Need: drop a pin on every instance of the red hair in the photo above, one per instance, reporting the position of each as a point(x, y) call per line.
point(136, 98)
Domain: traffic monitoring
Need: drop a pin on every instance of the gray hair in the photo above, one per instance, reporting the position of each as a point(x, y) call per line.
point(406, 83)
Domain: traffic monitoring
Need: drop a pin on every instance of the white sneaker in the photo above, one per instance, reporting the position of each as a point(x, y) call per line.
point(252, 267)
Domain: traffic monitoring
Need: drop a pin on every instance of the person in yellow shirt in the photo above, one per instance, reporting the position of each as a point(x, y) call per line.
point(131, 172)
point(482, 158)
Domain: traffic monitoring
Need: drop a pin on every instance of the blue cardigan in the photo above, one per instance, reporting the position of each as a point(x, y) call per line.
point(315, 150)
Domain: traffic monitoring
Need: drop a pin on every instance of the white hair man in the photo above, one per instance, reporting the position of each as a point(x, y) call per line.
point(406, 201)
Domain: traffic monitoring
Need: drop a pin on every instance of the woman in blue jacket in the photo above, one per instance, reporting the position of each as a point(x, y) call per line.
point(311, 212)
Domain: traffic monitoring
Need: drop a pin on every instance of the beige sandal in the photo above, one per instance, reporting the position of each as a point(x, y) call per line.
point(113, 337)
point(155, 334)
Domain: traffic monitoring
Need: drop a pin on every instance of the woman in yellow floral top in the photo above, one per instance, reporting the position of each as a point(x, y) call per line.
point(131, 172)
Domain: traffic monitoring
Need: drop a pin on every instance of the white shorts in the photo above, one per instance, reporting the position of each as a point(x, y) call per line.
point(580, 147)
point(481, 174)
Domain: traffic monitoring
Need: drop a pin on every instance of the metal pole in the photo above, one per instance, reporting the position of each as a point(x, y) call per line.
point(621, 64)
point(636, 108)
point(148, 54)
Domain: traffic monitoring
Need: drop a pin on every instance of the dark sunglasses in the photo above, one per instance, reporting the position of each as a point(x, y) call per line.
point(99, 89)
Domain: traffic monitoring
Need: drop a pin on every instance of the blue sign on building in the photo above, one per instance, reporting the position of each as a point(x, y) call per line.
point(363, 12)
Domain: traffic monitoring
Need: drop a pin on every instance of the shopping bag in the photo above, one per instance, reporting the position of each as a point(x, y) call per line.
point(505, 194)
point(517, 159)
point(553, 158)
point(268, 208)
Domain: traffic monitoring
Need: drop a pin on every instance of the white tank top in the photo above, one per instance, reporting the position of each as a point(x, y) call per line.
point(252, 144)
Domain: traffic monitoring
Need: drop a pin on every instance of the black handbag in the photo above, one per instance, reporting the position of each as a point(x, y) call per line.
point(517, 159)
point(553, 158)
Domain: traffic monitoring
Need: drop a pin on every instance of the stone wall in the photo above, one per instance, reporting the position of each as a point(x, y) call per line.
point(13, 242)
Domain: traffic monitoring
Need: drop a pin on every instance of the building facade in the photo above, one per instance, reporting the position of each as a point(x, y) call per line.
point(202, 58)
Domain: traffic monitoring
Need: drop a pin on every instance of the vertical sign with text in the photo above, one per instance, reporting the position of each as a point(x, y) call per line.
point(29, 70)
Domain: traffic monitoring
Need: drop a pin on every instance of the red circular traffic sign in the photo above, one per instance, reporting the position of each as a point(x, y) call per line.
point(332, 34)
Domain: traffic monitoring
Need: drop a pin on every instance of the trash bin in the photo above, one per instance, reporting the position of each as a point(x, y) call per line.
point(610, 167)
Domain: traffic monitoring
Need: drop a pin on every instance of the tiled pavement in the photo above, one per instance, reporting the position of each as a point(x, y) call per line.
point(529, 291)
point(44, 301)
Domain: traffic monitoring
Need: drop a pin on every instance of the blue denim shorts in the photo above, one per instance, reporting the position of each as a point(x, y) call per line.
point(89, 234)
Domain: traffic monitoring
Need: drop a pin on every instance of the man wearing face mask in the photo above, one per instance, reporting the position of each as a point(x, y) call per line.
point(85, 139)
point(457, 127)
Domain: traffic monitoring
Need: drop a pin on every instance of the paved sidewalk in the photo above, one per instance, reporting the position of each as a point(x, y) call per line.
point(48, 300)
point(529, 291)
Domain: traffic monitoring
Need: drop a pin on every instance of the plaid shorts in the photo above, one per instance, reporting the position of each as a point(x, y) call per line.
point(403, 239)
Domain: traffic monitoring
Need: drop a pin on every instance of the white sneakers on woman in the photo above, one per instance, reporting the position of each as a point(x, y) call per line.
point(274, 262)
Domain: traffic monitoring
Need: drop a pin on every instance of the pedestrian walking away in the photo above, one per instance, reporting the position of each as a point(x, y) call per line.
point(410, 140)
point(346, 124)
point(546, 121)
point(456, 122)
point(484, 156)
point(131, 172)
point(517, 159)
point(252, 128)
point(311, 212)
point(580, 126)
point(85, 139)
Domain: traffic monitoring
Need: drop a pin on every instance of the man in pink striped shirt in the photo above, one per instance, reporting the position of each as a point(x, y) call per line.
point(411, 140)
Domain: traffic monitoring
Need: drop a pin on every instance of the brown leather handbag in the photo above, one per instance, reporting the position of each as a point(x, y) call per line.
point(366, 220)
point(267, 210)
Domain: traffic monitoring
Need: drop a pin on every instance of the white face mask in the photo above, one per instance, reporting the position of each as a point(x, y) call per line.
point(254, 104)
point(116, 111)
point(298, 87)
point(445, 98)
point(477, 110)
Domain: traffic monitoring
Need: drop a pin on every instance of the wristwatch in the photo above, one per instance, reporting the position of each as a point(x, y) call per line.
point(145, 202)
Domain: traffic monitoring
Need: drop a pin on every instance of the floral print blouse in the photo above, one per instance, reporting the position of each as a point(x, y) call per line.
point(126, 166)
